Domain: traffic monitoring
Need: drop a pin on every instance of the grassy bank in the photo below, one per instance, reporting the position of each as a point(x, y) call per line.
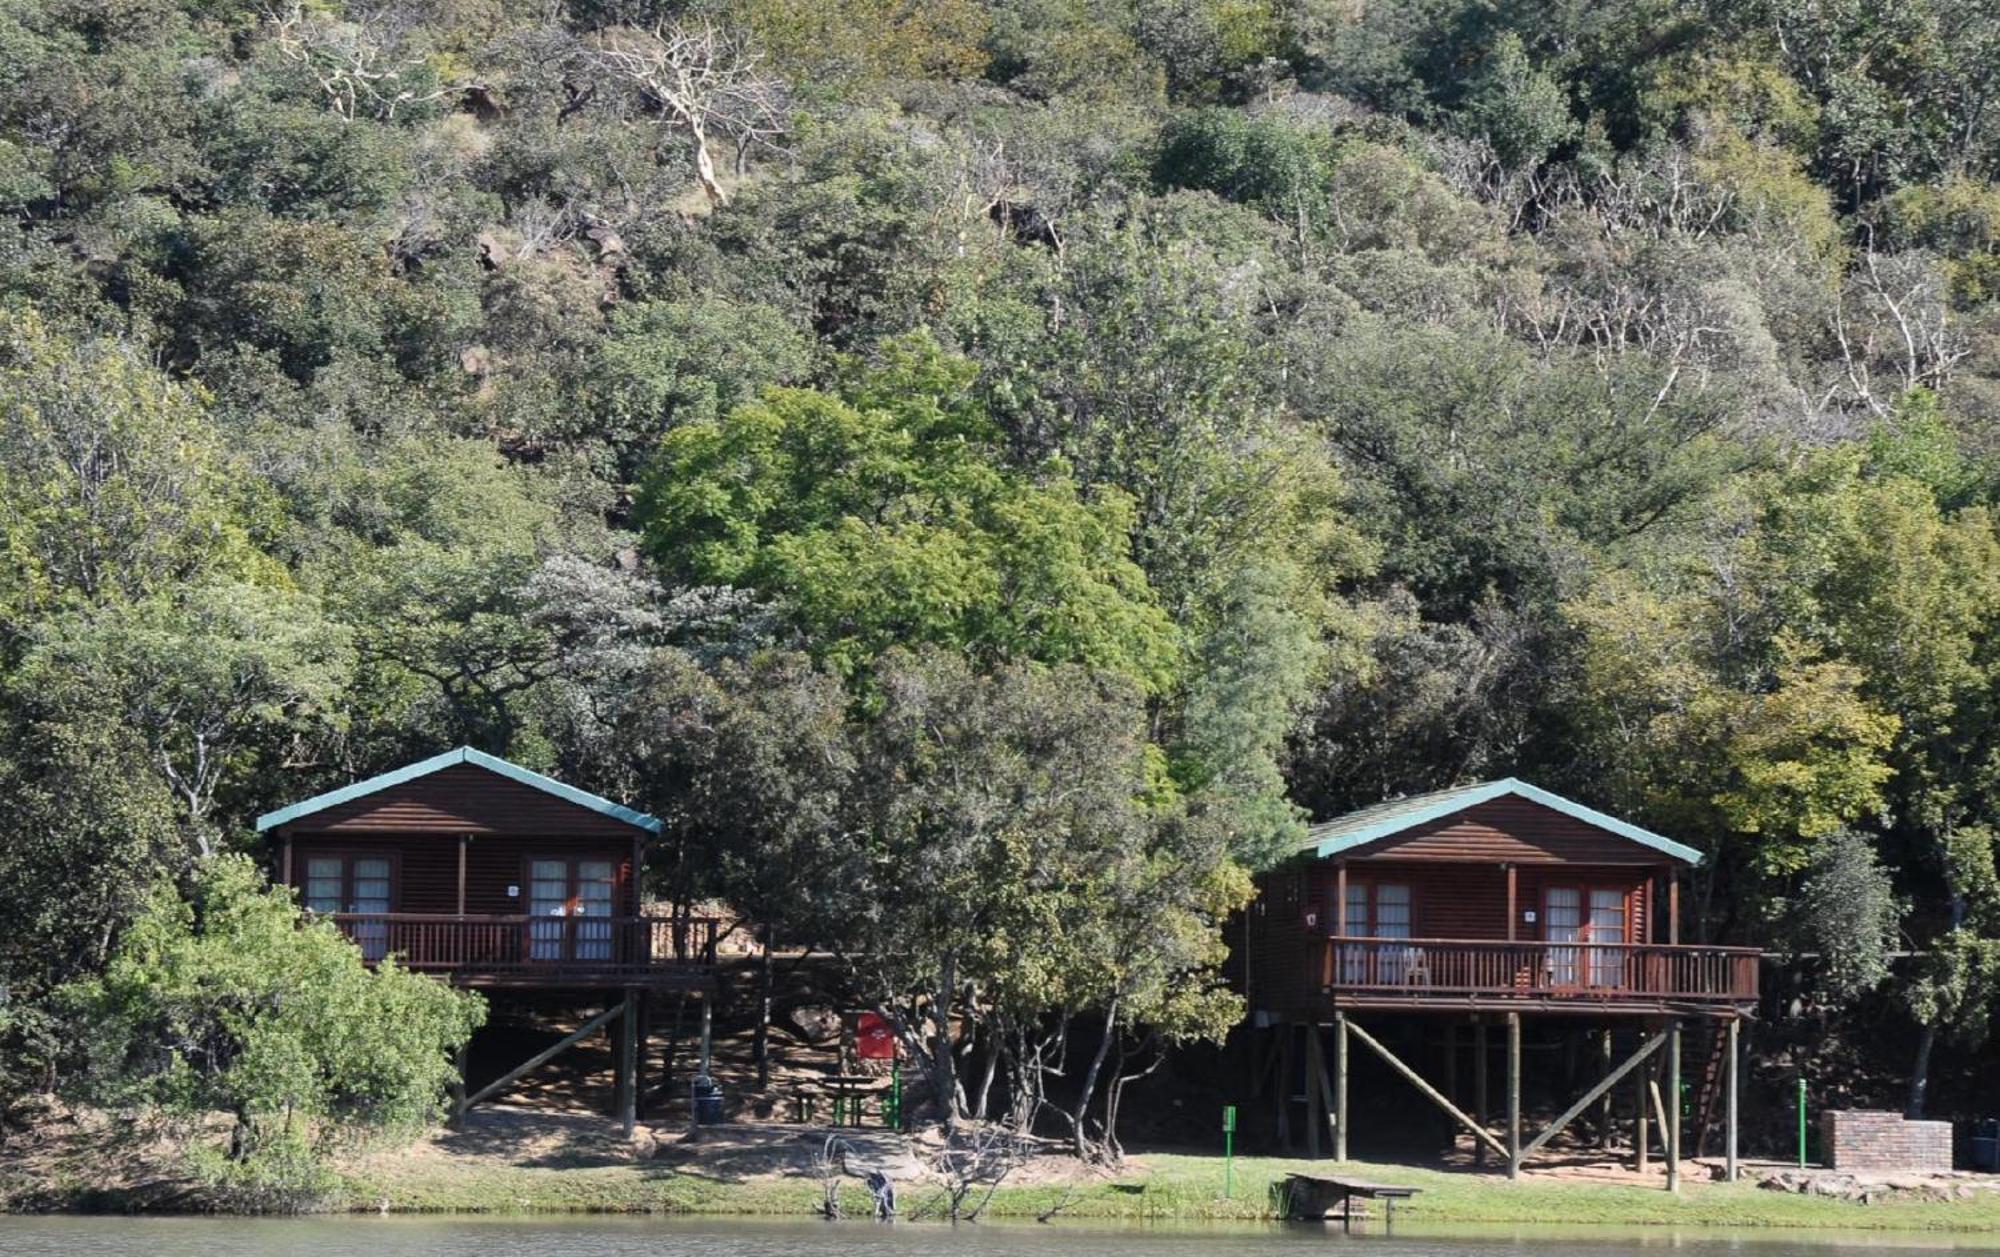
point(1162, 1187)
point(526, 1162)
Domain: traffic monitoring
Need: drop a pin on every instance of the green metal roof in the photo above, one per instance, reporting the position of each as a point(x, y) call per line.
point(451, 759)
point(1371, 824)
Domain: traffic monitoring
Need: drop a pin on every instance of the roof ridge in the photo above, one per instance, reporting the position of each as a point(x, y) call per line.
point(452, 758)
point(1392, 816)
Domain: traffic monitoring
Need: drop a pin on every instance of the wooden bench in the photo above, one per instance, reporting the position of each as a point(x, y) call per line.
point(1313, 1198)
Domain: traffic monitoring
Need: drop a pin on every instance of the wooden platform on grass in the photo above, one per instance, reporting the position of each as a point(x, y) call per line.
point(1316, 1197)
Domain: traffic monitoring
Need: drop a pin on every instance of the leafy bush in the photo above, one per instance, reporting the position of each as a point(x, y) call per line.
point(229, 1001)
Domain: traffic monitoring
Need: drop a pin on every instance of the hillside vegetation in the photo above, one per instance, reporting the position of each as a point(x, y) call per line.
point(985, 471)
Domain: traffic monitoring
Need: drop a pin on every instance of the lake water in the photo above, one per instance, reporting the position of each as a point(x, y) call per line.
point(368, 1236)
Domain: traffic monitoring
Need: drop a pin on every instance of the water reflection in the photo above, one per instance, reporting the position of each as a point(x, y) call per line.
point(677, 1237)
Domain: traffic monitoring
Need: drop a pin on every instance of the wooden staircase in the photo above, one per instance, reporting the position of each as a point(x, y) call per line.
point(1708, 1098)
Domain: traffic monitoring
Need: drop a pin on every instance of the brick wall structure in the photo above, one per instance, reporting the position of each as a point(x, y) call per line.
point(1873, 1139)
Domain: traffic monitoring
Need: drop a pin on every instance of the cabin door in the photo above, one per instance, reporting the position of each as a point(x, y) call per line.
point(1376, 910)
point(569, 906)
point(1567, 923)
point(358, 884)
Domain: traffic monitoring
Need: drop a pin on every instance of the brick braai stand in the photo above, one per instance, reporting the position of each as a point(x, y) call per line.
point(1870, 1139)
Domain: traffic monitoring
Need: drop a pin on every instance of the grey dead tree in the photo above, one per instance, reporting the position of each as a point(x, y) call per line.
point(358, 60)
point(706, 79)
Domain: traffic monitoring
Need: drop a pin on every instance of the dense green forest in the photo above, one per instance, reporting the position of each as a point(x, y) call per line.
point(987, 471)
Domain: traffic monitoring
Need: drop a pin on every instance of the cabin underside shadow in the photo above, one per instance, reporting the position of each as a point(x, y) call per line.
point(1520, 1085)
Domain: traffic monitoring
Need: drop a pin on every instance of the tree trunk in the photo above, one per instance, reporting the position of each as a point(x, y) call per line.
point(1920, 1073)
point(1920, 1069)
point(944, 1058)
point(762, 1046)
point(704, 168)
point(1081, 1121)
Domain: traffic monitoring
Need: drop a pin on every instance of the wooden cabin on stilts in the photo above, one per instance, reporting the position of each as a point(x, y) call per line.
point(1438, 937)
point(481, 872)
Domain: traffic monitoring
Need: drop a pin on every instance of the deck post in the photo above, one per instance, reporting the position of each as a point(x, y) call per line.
point(1604, 1071)
point(464, 841)
point(628, 1065)
point(1451, 1062)
point(1641, 1137)
point(1673, 908)
point(1513, 905)
point(1340, 1109)
point(1513, 1095)
point(1673, 1131)
point(288, 859)
point(1481, 1062)
point(1315, 1115)
point(1729, 1105)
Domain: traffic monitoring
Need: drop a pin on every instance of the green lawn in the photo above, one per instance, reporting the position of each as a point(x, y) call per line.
point(1165, 1187)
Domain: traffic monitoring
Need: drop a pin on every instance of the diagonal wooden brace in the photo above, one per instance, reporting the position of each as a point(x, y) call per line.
point(1590, 1097)
point(1435, 1096)
point(541, 1058)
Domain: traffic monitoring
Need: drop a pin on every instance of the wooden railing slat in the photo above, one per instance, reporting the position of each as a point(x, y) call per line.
point(503, 946)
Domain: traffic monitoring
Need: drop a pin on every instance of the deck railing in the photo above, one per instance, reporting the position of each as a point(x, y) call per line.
point(1419, 968)
point(523, 948)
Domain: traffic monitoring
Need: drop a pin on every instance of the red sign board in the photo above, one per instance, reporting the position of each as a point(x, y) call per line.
point(873, 1039)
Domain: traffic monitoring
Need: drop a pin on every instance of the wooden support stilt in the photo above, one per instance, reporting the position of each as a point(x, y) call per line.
point(1513, 1095)
point(1641, 1138)
point(628, 1066)
point(1729, 1167)
point(1590, 1097)
point(1315, 1116)
point(1431, 1093)
point(1605, 1119)
point(1451, 1073)
point(1481, 1063)
point(707, 1033)
point(1674, 1107)
point(542, 1057)
point(1340, 1109)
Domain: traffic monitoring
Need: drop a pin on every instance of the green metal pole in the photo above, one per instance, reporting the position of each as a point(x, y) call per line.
point(1228, 1151)
point(1802, 1123)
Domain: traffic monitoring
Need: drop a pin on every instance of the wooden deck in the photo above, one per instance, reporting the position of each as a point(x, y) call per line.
point(1417, 973)
point(541, 952)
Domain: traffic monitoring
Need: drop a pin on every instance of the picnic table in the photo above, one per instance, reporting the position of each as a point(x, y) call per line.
point(848, 1093)
point(1314, 1197)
